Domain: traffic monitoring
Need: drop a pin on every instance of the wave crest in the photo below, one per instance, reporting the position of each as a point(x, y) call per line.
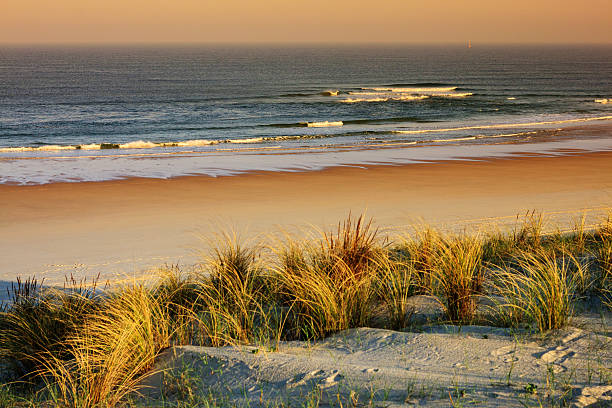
point(324, 124)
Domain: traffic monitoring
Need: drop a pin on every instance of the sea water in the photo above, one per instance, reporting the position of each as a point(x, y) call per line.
point(97, 113)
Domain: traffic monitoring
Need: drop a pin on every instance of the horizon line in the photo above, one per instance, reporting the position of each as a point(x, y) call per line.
point(296, 43)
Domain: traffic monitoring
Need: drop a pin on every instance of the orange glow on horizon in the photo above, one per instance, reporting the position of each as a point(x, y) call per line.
point(404, 21)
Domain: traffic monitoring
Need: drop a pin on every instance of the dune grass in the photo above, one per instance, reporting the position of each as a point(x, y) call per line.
point(396, 283)
point(111, 354)
point(38, 321)
point(329, 283)
point(457, 275)
point(541, 288)
point(86, 347)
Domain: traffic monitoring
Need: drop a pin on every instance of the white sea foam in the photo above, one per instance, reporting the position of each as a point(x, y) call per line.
point(604, 101)
point(511, 98)
point(138, 144)
point(196, 143)
point(500, 126)
point(45, 148)
point(364, 93)
point(385, 99)
point(457, 139)
point(251, 140)
point(92, 146)
point(384, 94)
point(325, 124)
point(413, 89)
point(453, 95)
point(410, 97)
point(357, 100)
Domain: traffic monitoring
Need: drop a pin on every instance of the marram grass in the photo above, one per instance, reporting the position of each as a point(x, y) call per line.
point(85, 347)
point(541, 288)
point(457, 276)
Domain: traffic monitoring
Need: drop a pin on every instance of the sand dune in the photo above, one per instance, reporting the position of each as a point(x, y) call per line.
point(469, 364)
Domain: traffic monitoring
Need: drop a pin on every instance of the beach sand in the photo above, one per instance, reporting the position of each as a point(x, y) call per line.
point(118, 228)
point(437, 366)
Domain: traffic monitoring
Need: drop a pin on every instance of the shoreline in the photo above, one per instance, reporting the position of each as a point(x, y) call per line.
point(122, 227)
point(169, 165)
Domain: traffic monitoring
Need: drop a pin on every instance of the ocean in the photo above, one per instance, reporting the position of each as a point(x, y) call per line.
point(71, 114)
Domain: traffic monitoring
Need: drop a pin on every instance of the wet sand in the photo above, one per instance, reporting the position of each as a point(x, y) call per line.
point(120, 227)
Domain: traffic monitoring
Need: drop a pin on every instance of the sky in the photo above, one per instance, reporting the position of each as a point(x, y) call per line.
point(312, 21)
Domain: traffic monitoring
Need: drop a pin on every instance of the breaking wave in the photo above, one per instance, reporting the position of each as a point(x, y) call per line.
point(403, 93)
point(499, 126)
point(324, 124)
point(143, 144)
point(386, 99)
point(414, 89)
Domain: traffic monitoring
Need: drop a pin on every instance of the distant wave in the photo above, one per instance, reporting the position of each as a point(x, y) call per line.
point(305, 124)
point(603, 101)
point(372, 143)
point(324, 124)
point(394, 92)
point(333, 123)
point(452, 95)
point(386, 99)
point(142, 144)
point(500, 126)
point(304, 94)
point(419, 84)
point(413, 89)
point(403, 93)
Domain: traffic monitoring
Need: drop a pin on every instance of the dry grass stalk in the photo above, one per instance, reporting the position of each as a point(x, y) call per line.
point(541, 288)
point(458, 276)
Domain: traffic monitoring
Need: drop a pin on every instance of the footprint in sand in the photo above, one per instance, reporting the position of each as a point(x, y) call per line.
point(503, 351)
point(302, 379)
point(590, 396)
point(333, 379)
point(557, 355)
point(576, 334)
point(371, 370)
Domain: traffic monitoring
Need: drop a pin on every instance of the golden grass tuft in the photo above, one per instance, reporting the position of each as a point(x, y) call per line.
point(111, 353)
point(397, 283)
point(93, 349)
point(457, 275)
point(541, 288)
point(38, 320)
point(329, 284)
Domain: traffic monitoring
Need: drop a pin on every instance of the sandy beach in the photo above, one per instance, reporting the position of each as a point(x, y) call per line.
point(119, 228)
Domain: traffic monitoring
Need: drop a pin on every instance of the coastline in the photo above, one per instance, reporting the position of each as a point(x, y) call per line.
point(143, 163)
point(119, 228)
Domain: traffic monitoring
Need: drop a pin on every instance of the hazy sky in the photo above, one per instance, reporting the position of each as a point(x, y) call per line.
point(517, 21)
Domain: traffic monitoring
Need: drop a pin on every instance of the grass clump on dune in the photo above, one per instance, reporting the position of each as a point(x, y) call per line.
point(458, 276)
point(82, 347)
point(37, 321)
point(421, 250)
point(397, 282)
point(111, 353)
point(231, 293)
point(329, 284)
point(541, 288)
